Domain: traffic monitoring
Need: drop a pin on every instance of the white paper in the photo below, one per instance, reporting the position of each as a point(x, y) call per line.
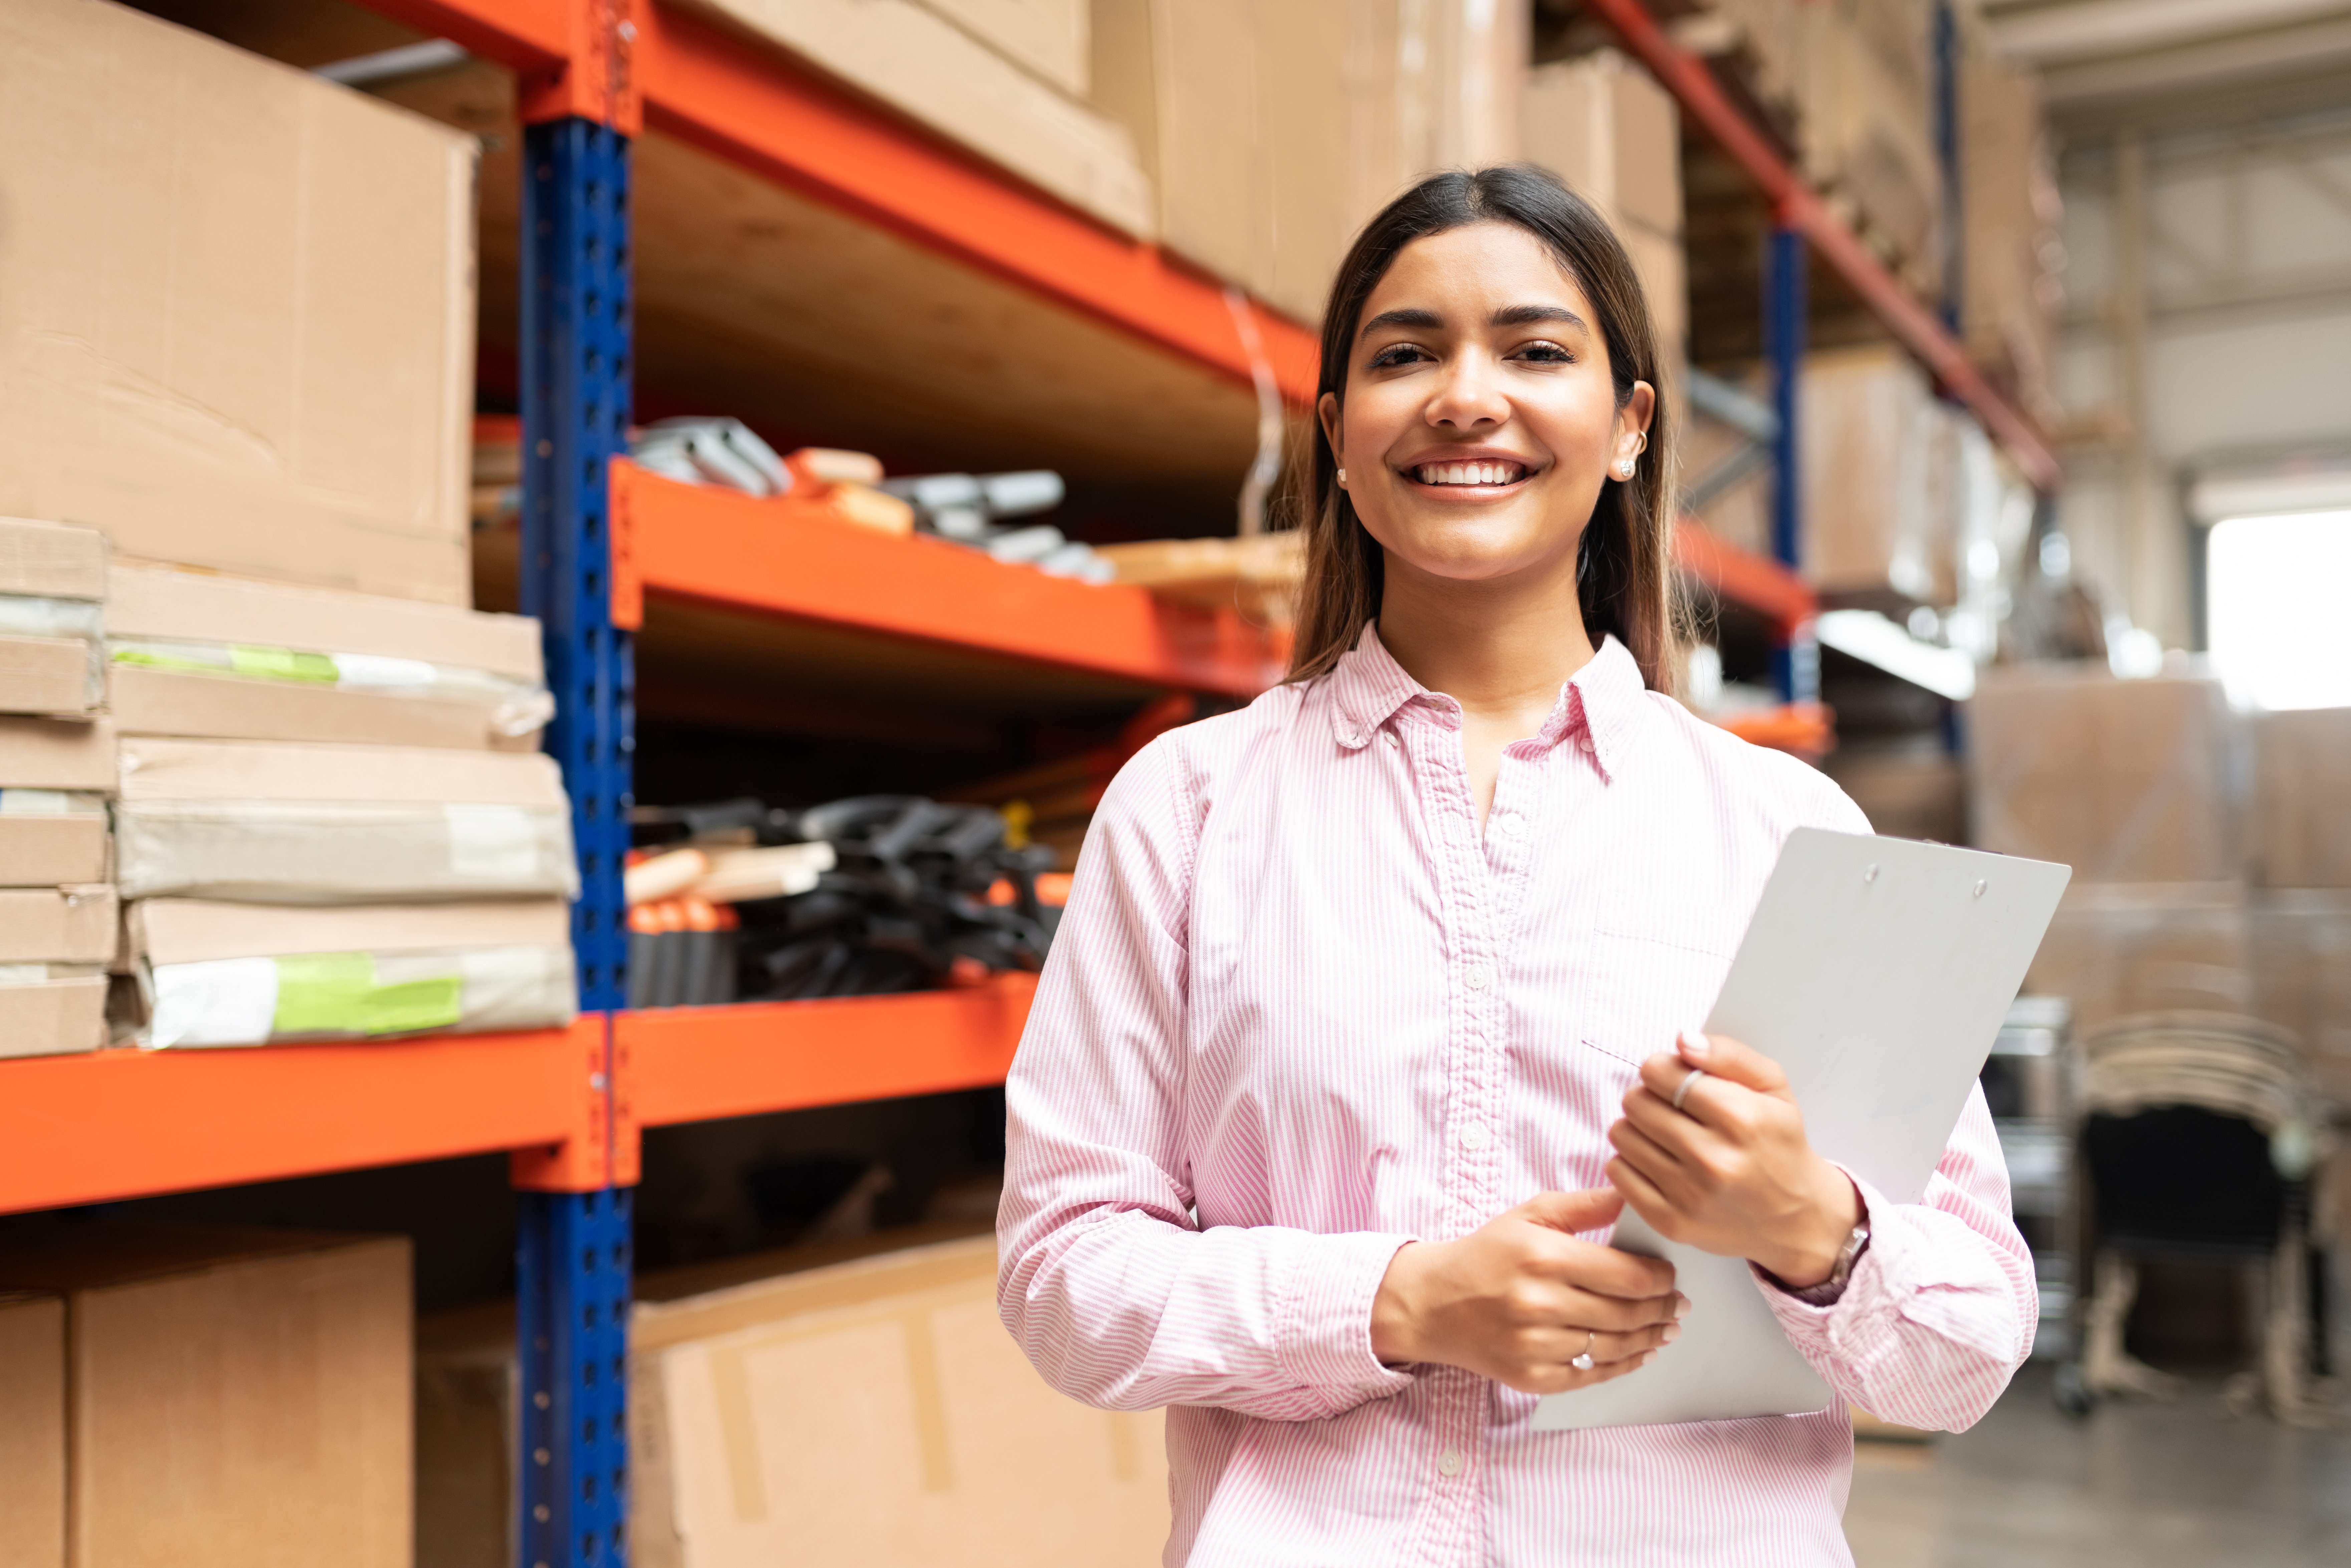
point(494, 844)
point(221, 1002)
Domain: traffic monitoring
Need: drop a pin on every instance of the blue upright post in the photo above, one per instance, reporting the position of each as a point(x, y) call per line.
point(573, 1263)
point(1796, 666)
point(1947, 157)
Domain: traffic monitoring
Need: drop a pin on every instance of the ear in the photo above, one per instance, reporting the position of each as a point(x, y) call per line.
point(1326, 409)
point(1633, 419)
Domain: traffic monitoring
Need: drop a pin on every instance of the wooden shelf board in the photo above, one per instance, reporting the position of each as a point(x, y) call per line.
point(695, 1064)
point(130, 1124)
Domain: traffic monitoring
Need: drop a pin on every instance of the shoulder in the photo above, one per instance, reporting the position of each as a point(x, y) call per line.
point(1783, 791)
point(1168, 789)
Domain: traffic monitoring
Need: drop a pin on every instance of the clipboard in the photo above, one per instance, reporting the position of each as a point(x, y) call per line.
point(1876, 972)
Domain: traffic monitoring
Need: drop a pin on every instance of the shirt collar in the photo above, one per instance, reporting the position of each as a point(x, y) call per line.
point(1367, 687)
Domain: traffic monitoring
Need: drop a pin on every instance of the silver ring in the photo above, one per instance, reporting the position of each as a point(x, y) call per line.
point(1583, 1361)
point(1681, 1091)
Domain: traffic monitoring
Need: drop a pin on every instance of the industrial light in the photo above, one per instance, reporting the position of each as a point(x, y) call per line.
point(2273, 588)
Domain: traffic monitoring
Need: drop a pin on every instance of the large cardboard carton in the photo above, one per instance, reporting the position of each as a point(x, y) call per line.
point(236, 306)
point(1868, 428)
point(32, 1431)
point(2127, 781)
point(825, 1404)
point(56, 754)
point(236, 1396)
point(1604, 125)
point(58, 924)
point(2117, 950)
point(2302, 798)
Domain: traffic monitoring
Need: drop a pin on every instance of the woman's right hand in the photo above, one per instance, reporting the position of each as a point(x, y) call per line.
point(1519, 1298)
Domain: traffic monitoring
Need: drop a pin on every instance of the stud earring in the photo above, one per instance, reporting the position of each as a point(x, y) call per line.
point(1625, 469)
point(1342, 476)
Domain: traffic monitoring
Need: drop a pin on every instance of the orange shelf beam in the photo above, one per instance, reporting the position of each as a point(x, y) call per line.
point(750, 103)
point(696, 1065)
point(130, 1124)
point(1763, 585)
point(783, 559)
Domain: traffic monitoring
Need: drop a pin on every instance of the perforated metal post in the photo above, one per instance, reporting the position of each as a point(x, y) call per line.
point(1796, 666)
point(573, 1263)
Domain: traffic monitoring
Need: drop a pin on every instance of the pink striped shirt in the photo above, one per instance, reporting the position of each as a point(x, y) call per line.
point(1300, 1012)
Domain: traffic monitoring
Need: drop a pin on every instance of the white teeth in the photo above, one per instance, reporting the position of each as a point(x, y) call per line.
point(1469, 472)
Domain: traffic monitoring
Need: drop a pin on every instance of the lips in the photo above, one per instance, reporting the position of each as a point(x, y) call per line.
point(1487, 472)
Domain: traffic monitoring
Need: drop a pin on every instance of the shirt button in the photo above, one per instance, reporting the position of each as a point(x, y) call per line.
point(1583, 742)
point(1478, 978)
point(1392, 738)
point(1448, 1463)
point(1508, 824)
point(1473, 1136)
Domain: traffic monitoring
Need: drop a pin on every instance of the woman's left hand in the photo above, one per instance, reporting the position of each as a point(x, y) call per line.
point(1731, 1171)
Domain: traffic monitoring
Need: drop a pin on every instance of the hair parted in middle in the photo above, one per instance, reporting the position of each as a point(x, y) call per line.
point(1624, 561)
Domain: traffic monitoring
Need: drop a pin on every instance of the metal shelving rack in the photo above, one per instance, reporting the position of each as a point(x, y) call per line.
point(599, 538)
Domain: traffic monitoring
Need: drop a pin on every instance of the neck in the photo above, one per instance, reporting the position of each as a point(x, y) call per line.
point(1501, 648)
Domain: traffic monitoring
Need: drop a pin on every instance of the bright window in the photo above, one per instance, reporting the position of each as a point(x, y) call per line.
point(2274, 600)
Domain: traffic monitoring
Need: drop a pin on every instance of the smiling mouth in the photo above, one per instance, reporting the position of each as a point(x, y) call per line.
point(1486, 473)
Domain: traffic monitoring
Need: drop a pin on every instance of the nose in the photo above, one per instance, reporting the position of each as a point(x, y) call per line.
point(1469, 396)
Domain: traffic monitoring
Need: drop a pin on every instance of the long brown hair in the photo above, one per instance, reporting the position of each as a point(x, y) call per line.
point(1623, 565)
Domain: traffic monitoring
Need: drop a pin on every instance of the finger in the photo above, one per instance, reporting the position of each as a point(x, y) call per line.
point(1567, 1379)
point(1661, 1167)
point(1646, 1199)
point(1621, 1314)
point(1679, 1135)
point(1608, 1347)
point(1727, 1058)
point(1596, 1208)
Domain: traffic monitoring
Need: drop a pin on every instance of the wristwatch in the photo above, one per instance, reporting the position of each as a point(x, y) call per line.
point(1826, 1292)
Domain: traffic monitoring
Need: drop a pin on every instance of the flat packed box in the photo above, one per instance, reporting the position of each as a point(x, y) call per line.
point(44, 675)
point(51, 560)
point(832, 1405)
point(49, 849)
point(220, 973)
point(63, 1013)
point(236, 306)
point(2302, 798)
point(204, 655)
point(58, 754)
point(326, 824)
point(32, 1431)
point(238, 1397)
point(58, 924)
point(2123, 780)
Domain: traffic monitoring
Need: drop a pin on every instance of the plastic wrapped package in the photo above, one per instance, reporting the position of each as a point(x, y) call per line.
point(227, 974)
point(2126, 781)
point(52, 618)
point(321, 824)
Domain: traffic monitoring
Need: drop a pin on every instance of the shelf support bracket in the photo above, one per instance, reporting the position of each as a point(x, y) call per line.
point(1797, 663)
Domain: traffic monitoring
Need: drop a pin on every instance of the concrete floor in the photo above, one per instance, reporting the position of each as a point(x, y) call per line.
point(2132, 1486)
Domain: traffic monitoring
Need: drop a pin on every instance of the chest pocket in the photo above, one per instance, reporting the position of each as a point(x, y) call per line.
point(1640, 991)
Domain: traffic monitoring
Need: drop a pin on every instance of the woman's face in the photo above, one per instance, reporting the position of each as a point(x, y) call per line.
point(1480, 420)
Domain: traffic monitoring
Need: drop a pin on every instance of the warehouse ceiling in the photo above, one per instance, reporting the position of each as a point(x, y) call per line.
point(2157, 64)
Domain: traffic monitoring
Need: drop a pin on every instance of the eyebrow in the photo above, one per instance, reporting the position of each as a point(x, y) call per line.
point(1510, 316)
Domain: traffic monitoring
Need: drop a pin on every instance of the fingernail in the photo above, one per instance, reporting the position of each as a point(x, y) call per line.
point(1647, 1356)
point(1695, 1044)
point(1681, 1308)
point(1673, 1332)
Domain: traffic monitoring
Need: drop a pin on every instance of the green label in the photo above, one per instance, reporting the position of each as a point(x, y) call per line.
point(282, 664)
point(156, 659)
point(336, 993)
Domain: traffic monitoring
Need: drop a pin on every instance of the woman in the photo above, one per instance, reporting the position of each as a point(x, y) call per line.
point(1361, 1022)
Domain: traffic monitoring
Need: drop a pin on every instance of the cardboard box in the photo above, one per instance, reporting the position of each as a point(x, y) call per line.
point(189, 705)
point(2302, 798)
point(58, 924)
point(51, 560)
point(58, 754)
point(44, 675)
point(150, 601)
point(236, 1396)
point(236, 306)
point(1905, 797)
point(194, 930)
point(32, 1431)
point(155, 768)
point(53, 1018)
point(52, 850)
point(2302, 978)
point(1049, 37)
point(1604, 125)
point(826, 1404)
point(2127, 781)
point(2117, 950)
point(1874, 516)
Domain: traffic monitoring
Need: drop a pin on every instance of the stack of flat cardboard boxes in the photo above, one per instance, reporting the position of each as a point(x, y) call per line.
point(206, 1395)
point(56, 772)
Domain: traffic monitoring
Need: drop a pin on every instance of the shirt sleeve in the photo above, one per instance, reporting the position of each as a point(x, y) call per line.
point(1940, 1311)
point(1105, 1277)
